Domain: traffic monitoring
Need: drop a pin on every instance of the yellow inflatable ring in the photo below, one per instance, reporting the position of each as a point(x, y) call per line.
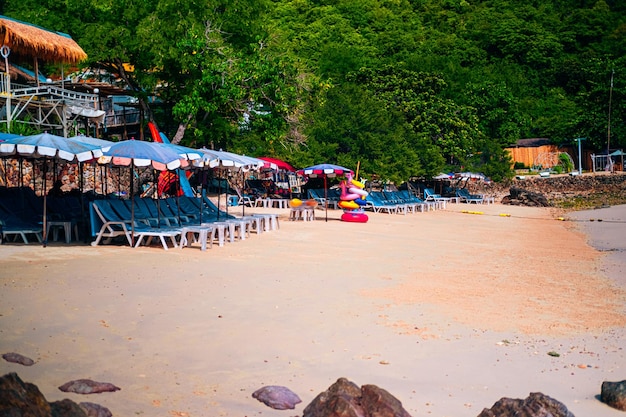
point(348, 205)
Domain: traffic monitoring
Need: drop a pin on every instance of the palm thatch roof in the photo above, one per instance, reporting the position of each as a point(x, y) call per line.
point(29, 40)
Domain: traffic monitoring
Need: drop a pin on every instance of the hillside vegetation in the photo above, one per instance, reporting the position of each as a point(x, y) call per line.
point(403, 87)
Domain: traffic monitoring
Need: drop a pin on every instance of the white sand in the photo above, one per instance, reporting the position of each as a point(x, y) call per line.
point(448, 311)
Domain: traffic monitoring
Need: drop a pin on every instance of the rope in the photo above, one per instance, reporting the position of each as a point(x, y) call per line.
point(562, 219)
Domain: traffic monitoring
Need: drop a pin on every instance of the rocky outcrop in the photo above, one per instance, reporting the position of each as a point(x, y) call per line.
point(522, 197)
point(19, 398)
point(535, 405)
point(346, 399)
point(614, 394)
point(22, 399)
point(560, 187)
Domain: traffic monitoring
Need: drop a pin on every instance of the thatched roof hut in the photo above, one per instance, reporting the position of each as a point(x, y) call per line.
point(27, 40)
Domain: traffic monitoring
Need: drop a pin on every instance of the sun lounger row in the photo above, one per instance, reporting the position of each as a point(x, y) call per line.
point(399, 202)
point(465, 197)
point(22, 214)
point(177, 221)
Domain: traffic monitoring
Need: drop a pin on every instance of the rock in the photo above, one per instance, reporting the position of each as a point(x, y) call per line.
point(18, 398)
point(66, 408)
point(87, 386)
point(536, 405)
point(17, 358)
point(346, 399)
point(521, 197)
point(380, 403)
point(277, 397)
point(95, 410)
point(614, 394)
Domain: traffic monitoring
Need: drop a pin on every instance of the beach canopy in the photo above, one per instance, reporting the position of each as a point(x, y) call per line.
point(229, 160)
point(104, 144)
point(276, 164)
point(324, 170)
point(142, 154)
point(5, 136)
point(29, 40)
point(46, 145)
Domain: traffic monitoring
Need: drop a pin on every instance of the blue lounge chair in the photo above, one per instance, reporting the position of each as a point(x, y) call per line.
point(430, 195)
point(113, 225)
point(10, 224)
point(376, 201)
point(465, 197)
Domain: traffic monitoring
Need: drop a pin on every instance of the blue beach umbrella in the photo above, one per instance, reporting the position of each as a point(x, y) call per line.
point(5, 136)
point(44, 146)
point(93, 141)
point(132, 153)
point(137, 153)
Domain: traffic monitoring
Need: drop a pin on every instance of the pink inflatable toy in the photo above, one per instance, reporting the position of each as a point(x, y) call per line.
point(353, 194)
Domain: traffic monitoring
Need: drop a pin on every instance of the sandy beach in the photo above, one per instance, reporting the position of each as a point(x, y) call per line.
point(448, 310)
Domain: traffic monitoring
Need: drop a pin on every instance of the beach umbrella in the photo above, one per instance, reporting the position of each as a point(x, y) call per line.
point(470, 175)
point(102, 143)
point(276, 164)
point(5, 136)
point(135, 153)
point(47, 146)
point(167, 178)
point(326, 171)
point(223, 160)
point(190, 155)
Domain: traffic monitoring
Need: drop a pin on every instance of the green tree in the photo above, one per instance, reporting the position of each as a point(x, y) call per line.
point(352, 126)
point(451, 127)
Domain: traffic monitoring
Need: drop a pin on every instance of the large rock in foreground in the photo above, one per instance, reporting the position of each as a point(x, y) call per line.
point(536, 405)
point(21, 399)
point(346, 399)
point(614, 394)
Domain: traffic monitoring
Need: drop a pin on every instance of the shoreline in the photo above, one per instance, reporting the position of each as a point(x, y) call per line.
point(605, 229)
point(448, 311)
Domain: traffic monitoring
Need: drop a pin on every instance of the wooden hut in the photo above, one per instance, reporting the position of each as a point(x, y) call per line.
point(29, 41)
point(533, 151)
point(47, 106)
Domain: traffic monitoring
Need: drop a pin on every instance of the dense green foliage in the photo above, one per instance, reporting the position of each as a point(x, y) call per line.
point(405, 87)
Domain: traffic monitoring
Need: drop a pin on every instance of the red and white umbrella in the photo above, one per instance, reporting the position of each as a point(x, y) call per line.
point(326, 171)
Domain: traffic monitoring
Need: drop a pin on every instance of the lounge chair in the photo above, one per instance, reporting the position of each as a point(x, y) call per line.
point(414, 201)
point(10, 224)
point(114, 225)
point(376, 201)
point(466, 197)
point(317, 195)
point(156, 210)
point(430, 195)
point(108, 223)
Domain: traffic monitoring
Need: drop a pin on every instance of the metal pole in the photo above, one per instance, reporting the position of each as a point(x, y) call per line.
point(580, 166)
point(5, 51)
